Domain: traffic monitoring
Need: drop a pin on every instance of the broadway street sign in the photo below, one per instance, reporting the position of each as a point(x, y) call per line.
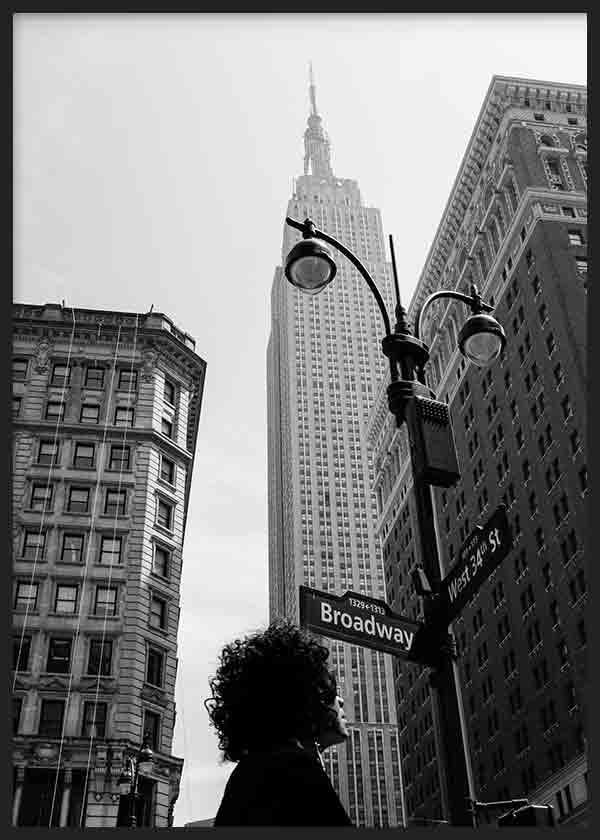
point(480, 554)
point(357, 619)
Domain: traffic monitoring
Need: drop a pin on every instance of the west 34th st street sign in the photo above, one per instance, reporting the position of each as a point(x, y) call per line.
point(479, 555)
point(357, 619)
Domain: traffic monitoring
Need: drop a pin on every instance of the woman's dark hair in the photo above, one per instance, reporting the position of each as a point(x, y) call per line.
point(269, 687)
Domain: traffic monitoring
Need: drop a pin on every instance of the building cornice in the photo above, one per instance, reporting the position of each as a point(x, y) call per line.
point(504, 93)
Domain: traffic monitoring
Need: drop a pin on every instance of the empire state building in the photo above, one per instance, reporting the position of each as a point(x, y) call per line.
point(324, 364)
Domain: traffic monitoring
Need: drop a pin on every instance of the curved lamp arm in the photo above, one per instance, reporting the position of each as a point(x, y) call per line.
point(473, 300)
point(308, 230)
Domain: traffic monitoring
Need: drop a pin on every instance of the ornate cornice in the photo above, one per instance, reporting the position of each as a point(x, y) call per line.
point(504, 93)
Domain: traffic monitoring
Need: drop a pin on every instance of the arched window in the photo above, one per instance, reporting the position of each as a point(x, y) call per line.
point(547, 140)
point(581, 142)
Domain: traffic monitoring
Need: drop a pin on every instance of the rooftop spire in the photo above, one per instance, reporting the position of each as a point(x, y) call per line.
point(311, 90)
point(316, 143)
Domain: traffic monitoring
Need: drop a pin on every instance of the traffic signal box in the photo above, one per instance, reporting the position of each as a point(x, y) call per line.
point(540, 815)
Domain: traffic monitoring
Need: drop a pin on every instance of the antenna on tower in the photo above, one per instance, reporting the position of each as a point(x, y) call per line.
point(311, 88)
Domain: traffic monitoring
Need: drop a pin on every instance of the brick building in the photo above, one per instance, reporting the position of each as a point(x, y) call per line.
point(106, 408)
point(516, 225)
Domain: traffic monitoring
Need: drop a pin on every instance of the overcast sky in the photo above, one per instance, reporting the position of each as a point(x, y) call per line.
point(154, 157)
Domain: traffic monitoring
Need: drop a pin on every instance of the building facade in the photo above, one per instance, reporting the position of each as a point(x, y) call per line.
point(515, 224)
point(105, 418)
point(323, 362)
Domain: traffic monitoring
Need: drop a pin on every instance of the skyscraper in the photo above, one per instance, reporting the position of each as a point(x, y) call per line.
point(323, 363)
point(105, 419)
point(516, 225)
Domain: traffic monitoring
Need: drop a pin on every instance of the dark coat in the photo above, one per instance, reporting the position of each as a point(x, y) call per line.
point(284, 787)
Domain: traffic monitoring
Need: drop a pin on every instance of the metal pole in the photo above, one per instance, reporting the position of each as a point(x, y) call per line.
point(454, 757)
point(132, 814)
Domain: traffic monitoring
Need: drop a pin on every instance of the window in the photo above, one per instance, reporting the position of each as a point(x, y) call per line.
point(521, 564)
point(72, 548)
point(127, 379)
point(84, 456)
point(16, 406)
point(94, 377)
point(169, 392)
point(26, 596)
point(94, 720)
point(65, 601)
point(543, 313)
point(100, 657)
point(539, 539)
point(21, 652)
point(79, 500)
point(33, 545)
point(59, 656)
point(581, 264)
point(547, 575)
point(115, 502)
point(563, 652)
point(575, 237)
point(110, 550)
point(48, 452)
point(19, 369)
point(90, 413)
point(158, 612)
point(541, 675)
point(166, 427)
point(105, 602)
point(167, 469)
point(61, 374)
point(41, 497)
point(583, 479)
point(527, 599)
point(51, 718)
point(509, 663)
point(533, 508)
point(55, 410)
point(17, 706)
point(558, 374)
point(151, 729)
point(123, 416)
point(164, 514)
point(516, 700)
point(161, 562)
point(533, 636)
point(569, 211)
point(154, 667)
point(536, 285)
point(119, 458)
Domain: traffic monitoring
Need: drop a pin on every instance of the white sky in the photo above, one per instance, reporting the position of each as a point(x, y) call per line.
point(154, 157)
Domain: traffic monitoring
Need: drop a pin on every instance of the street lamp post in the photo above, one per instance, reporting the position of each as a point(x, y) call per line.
point(128, 779)
point(310, 267)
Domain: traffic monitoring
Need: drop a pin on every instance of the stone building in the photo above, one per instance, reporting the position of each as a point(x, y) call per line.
point(105, 419)
point(323, 360)
point(516, 225)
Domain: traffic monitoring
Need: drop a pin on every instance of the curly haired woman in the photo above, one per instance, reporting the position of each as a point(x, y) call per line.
point(275, 708)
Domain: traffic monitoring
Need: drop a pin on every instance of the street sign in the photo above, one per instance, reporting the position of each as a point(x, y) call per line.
point(357, 619)
point(480, 554)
